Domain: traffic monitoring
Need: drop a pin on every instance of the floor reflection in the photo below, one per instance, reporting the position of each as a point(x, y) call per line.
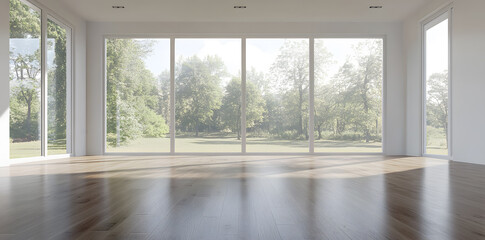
point(243, 197)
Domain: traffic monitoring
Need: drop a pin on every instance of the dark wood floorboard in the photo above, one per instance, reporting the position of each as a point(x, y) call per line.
point(243, 197)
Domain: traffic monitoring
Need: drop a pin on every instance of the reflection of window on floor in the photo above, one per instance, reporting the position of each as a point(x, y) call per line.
point(27, 136)
point(348, 95)
point(436, 86)
point(138, 95)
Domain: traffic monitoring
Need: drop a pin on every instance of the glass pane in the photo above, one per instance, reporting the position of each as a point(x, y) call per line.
point(437, 89)
point(56, 89)
point(348, 95)
point(207, 95)
point(138, 95)
point(277, 95)
point(25, 80)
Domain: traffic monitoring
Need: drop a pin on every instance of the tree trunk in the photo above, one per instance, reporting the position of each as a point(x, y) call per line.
point(319, 129)
point(366, 106)
point(28, 121)
point(197, 128)
point(118, 120)
point(300, 110)
point(377, 126)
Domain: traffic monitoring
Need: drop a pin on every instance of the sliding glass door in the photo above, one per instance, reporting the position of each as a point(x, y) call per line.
point(436, 84)
point(39, 83)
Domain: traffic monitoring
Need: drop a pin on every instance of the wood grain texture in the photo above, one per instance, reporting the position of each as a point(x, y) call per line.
point(243, 197)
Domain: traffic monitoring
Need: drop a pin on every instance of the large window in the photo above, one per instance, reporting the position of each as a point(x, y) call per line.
point(436, 86)
point(39, 83)
point(244, 95)
point(208, 95)
point(277, 95)
point(137, 95)
point(348, 95)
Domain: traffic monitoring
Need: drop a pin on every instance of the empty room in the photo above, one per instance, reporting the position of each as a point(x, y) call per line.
point(242, 119)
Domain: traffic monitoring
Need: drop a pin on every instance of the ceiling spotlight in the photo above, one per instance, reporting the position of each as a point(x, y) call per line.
point(239, 7)
point(375, 7)
point(118, 7)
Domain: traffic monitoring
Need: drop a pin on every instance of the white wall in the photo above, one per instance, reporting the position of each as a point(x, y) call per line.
point(395, 108)
point(468, 80)
point(79, 51)
point(4, 81)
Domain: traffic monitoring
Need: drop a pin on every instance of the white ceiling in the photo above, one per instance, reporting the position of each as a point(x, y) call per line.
point(256, 11)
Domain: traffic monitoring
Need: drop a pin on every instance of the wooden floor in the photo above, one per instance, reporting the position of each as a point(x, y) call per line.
point(243, 197)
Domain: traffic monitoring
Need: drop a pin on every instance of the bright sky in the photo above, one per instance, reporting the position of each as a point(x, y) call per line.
point(26, 46)
point(229, 50)
point(437, 49)
point(261, 53)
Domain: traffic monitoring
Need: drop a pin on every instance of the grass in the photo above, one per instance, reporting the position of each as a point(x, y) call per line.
point(33, 149)
point(231, 144)
point(437, 143)
point(206, 145)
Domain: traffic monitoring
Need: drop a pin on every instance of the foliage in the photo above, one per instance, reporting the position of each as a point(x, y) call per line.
point(24, 21)
point(437, 100)
point(198, 92)
point(133, 94)
point(208, 99)
point(25, 76)
point(351, 100)
point(25, 73)
point(231, 107)
point(57, 82)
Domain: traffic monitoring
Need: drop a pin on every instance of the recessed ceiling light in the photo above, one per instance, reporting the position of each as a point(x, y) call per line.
point(239, 6)
point(375, 7)
point(118, 7)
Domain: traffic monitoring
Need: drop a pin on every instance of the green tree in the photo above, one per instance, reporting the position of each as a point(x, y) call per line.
point(57, 80)
point(133, 95)
point(198, 91)
point(437, 101)
point(291, 72)
point(25, 73)
point(25, 92)
point(352, 99)
point(368, 83)
point(24, 21)
point(231, 106)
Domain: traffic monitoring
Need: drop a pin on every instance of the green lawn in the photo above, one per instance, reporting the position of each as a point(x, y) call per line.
point(231, 144)
point(207, 145)
point(33, 149)
point(436, 141)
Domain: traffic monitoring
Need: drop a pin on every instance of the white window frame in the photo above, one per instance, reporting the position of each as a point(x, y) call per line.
point(45, 15)
point(431, 21)
point(243, 39)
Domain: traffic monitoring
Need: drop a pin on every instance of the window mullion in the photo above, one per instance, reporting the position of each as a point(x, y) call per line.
point(172, 95)
point(311, 118)
point(44, 140)
point(243, 95)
